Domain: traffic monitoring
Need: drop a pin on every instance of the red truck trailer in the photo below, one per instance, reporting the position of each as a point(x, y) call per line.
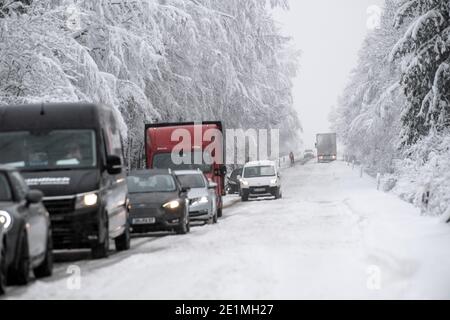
point(201, 146)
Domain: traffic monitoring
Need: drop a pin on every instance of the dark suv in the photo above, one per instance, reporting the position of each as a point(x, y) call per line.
point(72, 153)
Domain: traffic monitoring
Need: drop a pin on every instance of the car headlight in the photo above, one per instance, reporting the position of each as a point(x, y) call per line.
point(244, 183)
point(172, 204)
point(86, 200)
point(5, 220)
point(273, 181)
point(201, 200)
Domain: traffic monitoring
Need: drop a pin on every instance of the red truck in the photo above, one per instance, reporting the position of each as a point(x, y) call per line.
point(194, 146)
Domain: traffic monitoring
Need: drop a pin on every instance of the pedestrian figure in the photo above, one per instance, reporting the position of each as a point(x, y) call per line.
point(291, 157)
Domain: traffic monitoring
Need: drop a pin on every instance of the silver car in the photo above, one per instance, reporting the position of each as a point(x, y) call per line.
point(202, 195)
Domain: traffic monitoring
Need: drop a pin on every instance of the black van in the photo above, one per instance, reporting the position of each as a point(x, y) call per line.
point(73, 153)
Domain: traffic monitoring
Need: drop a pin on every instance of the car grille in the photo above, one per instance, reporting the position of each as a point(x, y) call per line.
point(260, 190)
point(60, 206)
point(143, 212)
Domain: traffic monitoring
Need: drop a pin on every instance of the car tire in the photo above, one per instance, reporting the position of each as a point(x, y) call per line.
point(185, 227)
point(3, 270)
point(215, 217)
point(21, 275)
point(244, 196)
point(182, 229)
point(122, 242)
point(45, 269)
point(278, 193)
point(100, 250)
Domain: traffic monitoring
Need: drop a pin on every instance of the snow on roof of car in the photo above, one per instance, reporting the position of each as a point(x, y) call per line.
point(185, 172)
point(260, 163)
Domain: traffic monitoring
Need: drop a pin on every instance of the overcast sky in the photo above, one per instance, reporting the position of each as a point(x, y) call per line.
point(329, 33)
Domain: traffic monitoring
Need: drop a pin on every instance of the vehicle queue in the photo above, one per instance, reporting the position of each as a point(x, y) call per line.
point(63, 185)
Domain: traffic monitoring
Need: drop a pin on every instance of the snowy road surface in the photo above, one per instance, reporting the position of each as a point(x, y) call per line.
point(331, 236)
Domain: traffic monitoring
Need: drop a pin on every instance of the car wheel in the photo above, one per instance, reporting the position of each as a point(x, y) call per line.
point(182, 229)
point(184, 226)
point(100, 250)
point(21, 275)
point(215, 217)
point(3, 270)
point(244, 196)
point(45, 269)
point(277, 194)
point(122, 242)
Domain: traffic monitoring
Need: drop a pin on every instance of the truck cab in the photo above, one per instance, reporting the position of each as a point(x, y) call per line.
point(189, 146)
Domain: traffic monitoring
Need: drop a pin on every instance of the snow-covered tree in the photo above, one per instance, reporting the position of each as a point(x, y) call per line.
point(367, 117)
point(424, 51)
point(153, 60)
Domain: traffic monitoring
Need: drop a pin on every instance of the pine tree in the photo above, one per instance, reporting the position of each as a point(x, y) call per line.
point(424, 51)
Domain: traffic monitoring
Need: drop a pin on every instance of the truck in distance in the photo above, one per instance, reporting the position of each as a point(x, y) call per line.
point(326, 147)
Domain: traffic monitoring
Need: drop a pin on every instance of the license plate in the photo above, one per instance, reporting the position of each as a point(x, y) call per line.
point(260, 189)
point(144, 221)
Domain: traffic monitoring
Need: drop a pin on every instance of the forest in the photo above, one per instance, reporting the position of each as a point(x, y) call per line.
point(153, 61)
point(394, 114)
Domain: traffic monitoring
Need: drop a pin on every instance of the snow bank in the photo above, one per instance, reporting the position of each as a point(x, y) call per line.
point(424, 177)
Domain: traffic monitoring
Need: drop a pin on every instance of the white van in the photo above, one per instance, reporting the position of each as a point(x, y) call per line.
point(260, 179)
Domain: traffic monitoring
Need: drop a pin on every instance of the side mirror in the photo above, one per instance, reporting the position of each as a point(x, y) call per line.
point(185, 190)
point(239, 178)
point(114, 165)
point(34, 196)
point(212, 185)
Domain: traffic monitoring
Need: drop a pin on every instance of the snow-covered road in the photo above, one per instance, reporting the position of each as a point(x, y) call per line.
point(333, 235)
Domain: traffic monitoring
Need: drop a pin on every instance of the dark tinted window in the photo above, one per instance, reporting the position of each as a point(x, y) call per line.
point(151, 183)
point(192, 181)
point(113, 138)
point(263, 171)
point(48, 149)
point(235, 173)
point(164, 161)
point(5, 190)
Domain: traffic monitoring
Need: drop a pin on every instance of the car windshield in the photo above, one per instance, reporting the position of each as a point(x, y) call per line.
point(151, 183)
point(192, 181)
point(164, 161)
point(5, 191)
point(262, 171)
point(48, 150)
